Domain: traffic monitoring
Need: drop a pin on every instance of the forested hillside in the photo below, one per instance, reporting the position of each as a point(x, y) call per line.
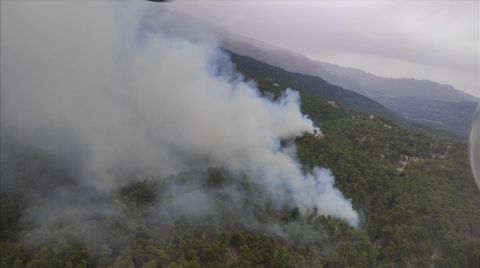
point(316, 86)
point(416, 196)
point(310, 85)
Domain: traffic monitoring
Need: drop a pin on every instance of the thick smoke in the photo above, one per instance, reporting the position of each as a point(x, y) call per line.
point(92, 85)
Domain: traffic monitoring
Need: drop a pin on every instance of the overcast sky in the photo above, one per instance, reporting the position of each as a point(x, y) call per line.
point(436, 40)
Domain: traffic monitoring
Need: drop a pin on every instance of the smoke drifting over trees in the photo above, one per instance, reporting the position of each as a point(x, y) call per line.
point(90, 86)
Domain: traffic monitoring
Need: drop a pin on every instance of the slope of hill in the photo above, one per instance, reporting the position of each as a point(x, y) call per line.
point(417, 198)
point(311, 85)
point(390, 92)
point(265, 73)
point(454, 116)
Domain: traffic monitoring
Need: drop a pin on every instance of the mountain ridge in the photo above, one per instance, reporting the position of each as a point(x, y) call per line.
point(312, 85)
point(387, 91)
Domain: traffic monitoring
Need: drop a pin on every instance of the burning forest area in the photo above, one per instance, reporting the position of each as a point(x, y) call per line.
point(132, 137)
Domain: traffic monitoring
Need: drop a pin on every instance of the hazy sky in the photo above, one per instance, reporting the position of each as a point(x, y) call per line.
point(436, 40)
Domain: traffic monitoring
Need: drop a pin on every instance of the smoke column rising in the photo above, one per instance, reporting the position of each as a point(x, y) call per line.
point(91, 74)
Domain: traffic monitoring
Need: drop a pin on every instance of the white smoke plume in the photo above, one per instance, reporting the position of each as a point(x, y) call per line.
point(88, 81)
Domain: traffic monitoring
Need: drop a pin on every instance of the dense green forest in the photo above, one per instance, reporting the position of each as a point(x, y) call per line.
point(414, 191)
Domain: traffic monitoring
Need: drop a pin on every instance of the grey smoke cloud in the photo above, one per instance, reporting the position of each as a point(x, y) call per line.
point(87, 81)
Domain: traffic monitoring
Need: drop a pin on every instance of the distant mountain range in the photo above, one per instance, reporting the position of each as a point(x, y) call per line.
point(426, 102)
